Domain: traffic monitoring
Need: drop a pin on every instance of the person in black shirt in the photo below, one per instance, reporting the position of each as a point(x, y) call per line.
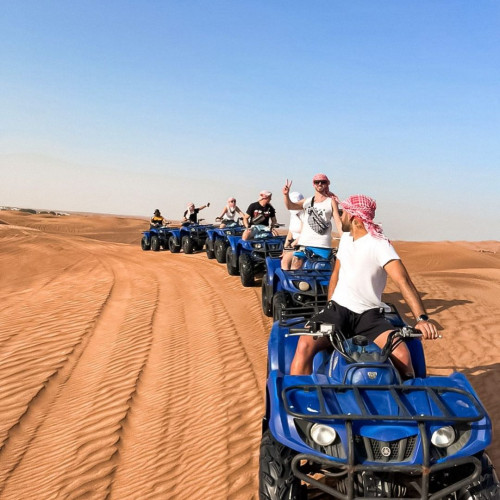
point(157, 220)
point(191, 214)
point(258, 216)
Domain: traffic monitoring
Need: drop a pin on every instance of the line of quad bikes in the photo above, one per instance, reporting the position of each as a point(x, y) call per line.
point(353, 429)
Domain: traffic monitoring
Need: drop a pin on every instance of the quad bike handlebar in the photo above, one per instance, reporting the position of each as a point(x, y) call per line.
point(338, 340)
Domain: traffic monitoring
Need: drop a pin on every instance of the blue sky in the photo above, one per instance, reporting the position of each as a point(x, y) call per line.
point(126, 106)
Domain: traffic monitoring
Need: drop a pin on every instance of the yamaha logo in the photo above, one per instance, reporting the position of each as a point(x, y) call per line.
point(372, 375)
point(386, 451)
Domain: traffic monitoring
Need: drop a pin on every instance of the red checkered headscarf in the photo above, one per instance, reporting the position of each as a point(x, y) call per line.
point(323, 177)
point(363, 207)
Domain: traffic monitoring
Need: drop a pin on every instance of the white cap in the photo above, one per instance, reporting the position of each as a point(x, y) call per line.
point(295, 196)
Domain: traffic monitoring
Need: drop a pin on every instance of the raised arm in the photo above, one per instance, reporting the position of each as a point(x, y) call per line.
point(289, 204)
point(223, 212)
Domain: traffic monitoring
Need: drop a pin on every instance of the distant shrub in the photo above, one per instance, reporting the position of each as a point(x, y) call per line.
point(28, 210)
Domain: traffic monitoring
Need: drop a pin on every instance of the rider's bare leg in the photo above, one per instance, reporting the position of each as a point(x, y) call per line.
point(297, 262)
point(307, 347)
point(286, 260)
point(400, 356)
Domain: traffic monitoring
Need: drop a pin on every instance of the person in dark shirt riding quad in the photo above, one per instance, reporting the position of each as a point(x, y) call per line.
point(258, 216)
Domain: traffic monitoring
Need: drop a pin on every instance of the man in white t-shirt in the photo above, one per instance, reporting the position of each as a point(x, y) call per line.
point(364, 259)
point(319, 211)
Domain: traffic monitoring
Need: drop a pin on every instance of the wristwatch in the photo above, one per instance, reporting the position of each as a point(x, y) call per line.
point(423, 317)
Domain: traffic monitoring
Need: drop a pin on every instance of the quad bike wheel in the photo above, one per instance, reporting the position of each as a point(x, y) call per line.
point(276, 480)
point(246, 270)
point(145, 244)
point(220, 249)
point(231, 269)
point(279, 302)
point(487, 486)
point(209, 247)
point(155, 243)
point(173, 246)
point(187, 244)
point(267, 304)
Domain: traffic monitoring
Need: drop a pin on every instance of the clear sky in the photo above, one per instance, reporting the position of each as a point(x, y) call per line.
point(124, 106)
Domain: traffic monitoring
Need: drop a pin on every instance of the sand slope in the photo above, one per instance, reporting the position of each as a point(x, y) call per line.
point(131, 374)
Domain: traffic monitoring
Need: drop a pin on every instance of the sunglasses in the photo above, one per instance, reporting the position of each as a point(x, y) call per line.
point(341, 212)
point(232, 201)
point(320, 182)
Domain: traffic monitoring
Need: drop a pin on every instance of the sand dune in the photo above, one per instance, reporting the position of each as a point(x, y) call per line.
point(131, 374)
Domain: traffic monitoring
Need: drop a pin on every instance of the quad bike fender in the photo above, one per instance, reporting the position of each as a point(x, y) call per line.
point(281, 349)
point(176, 235)
point(272, 265)
point(233, 243)
point(281, 424)
point(417, 357)
point(211, 234)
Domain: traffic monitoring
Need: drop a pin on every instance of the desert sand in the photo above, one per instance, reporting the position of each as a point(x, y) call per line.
point(130, 375)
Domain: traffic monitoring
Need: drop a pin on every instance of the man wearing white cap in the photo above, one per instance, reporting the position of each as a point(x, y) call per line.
point(258, 216)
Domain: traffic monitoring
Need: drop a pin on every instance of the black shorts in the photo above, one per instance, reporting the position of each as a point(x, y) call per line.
point(370, 323)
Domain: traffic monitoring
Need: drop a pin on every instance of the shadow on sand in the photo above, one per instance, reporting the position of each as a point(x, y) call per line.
point(432, 306)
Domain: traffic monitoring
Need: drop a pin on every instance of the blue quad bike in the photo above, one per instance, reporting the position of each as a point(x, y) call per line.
point(156, 238)
point(248, 257)
point(189, 237)
point(354, 430)
point(217, 241)
point(301, 291)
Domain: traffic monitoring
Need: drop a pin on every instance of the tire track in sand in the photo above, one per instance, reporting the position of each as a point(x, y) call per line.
point(39, 357)
point(199, 400)
point(162, 402)
point(86, 419)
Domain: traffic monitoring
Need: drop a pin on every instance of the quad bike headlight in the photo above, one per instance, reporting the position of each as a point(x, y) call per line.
point(257, 245)
point(302, 285)
point(322, 434)
point(443, 437)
